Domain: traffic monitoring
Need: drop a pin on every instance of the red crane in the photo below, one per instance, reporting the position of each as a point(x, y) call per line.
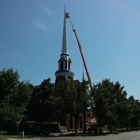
point(80, 48)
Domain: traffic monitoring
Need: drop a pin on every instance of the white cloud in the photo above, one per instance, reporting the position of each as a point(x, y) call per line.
point(44, 8)
point(42, 26)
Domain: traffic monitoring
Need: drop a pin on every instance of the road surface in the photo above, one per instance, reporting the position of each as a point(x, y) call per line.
point(122, 136)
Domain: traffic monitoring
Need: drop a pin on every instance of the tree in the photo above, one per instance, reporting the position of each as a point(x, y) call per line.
point(108, 99)
point(134, 109)
point(72, 98)
point(118, 99)
point(65, 96)
point(82, 101)
point(123, 109)
point(14, 97)
point(101, 96)
point(42, 105)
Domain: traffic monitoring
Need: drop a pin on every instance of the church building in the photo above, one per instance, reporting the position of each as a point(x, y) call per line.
point(64, 73)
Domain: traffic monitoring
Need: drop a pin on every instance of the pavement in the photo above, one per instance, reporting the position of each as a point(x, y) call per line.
point(59, 134)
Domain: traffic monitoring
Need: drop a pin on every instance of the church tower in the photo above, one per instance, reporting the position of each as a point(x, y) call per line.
point(64, 63)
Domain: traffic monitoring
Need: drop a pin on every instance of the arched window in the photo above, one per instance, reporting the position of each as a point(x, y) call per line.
point(66, 64)
point(69, 65)
point(61, 64)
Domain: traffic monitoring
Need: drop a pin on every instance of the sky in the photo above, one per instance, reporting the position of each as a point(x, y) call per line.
point(109, 32)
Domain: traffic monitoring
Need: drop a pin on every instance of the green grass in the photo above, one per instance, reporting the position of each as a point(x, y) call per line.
point(5, 137)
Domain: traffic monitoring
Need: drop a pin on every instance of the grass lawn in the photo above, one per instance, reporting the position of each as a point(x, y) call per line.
point(6, 137)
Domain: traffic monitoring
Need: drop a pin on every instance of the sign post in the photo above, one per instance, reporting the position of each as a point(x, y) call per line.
point(17, 126)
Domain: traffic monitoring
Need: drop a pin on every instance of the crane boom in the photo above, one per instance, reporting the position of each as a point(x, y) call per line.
point(80, 48)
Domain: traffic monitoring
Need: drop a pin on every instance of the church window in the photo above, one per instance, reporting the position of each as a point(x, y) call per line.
point(61, 64)
point(65, 64)
point(69, 65)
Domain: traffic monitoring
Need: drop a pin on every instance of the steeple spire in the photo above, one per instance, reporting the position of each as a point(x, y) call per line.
point(64, 63)
point(64, 39)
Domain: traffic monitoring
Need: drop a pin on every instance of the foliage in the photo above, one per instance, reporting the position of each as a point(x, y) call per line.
point(134, 109)
point(109, 102)
point(42, 105)
point(65, 96)
point(46, 102)
point(72, 98)
point(14, 96)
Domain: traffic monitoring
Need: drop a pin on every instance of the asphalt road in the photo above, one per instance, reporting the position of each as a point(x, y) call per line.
point(121, 136)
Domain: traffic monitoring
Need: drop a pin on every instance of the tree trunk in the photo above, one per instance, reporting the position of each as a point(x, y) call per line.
point(76, 122)
point(101, 129)
point(127, 125)
point(110, 128)
point(100, 124)
point(84, 130)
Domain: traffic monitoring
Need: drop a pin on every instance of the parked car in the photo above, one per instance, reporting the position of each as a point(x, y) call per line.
point(32, 128)
point(36, 131)
point(95, 127)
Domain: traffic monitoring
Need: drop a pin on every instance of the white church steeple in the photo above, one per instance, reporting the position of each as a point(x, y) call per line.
point(64, 39)
point(63, 72)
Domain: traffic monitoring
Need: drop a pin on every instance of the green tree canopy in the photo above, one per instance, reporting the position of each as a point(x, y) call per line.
point(72, 98)
point(14, 96)
point(134, 112)
point(42, 106)
point(109, 99)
